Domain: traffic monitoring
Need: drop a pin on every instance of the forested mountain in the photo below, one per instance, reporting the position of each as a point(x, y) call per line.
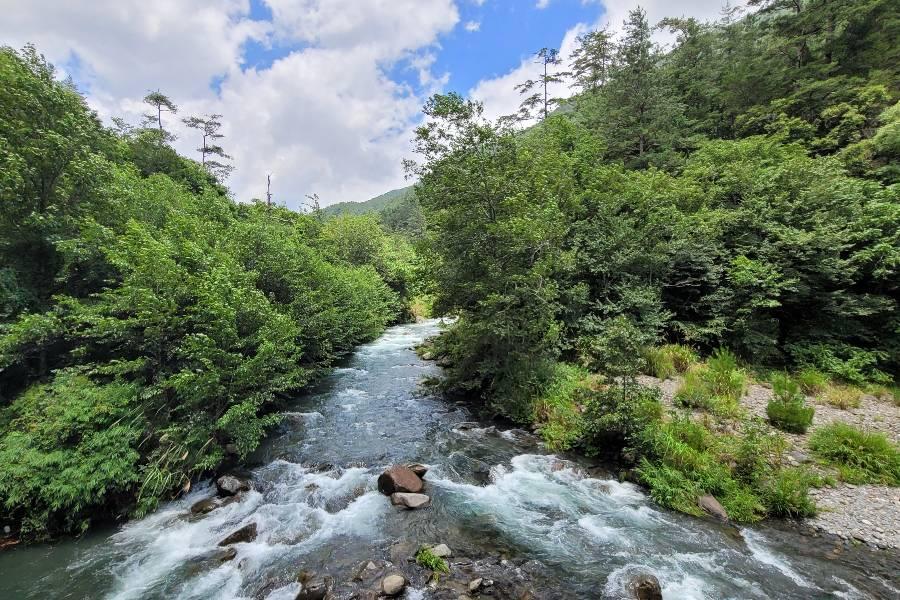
point(735, 194)
point(398, 210)
point(148, 323)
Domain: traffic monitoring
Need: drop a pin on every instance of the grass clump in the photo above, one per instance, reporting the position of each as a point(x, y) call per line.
point(668, 360)
point(428, 559)
point(843, 396)
point(615, 415)
point(859, 456)
point(787, 410)
point(716, 386)
point(812, 381)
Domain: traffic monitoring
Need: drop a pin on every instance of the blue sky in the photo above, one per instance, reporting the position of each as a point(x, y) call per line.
point(508, 32)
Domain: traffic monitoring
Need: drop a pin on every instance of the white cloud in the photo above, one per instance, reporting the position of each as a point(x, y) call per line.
point(498, 93)
point(542, 4)
point(472, 26)
point(324, 118)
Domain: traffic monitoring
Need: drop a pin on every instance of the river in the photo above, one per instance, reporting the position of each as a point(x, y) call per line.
point(497, 496)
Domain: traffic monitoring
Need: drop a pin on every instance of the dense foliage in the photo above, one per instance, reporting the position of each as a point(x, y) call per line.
point(147, 321)
point(736, 195)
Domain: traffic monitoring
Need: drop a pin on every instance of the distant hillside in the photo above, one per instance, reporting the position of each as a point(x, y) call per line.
point(375, 205)
point(398, 211)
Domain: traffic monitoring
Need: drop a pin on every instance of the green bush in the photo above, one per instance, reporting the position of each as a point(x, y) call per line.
point(786, 494)
point(787, 410)
point(428, 559)
point(555, 410)
point(860, 457)
point(70, 447)
point(616, 415)
point(724, 377)
point(716, 386)
point(659, 363)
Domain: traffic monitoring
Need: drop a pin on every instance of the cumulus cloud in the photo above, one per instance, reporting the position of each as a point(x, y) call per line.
point(541, 4)
point(472, 26)
point(325, 117)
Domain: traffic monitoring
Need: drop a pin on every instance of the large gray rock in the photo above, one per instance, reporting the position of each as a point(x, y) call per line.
point(393, 584)
point(410, 500)
point(229, 485)
point(711, 506)
point(645, 586)
point(247, 533)
point(399, 479)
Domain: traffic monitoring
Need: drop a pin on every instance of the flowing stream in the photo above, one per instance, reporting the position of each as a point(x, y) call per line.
point(497, 494)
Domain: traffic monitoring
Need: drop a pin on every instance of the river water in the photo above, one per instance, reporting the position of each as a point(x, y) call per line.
point(496, 494)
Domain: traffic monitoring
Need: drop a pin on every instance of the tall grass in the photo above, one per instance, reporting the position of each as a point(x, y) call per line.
point(859, 456)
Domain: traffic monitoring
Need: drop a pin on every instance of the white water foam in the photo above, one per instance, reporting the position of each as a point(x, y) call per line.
point(765, 556)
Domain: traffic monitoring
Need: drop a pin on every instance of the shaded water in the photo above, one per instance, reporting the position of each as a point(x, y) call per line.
point(495, 493)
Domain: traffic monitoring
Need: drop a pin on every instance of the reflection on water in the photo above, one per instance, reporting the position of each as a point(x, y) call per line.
point(494, 492)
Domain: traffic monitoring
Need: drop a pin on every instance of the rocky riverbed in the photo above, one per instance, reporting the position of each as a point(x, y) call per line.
point(856, 513)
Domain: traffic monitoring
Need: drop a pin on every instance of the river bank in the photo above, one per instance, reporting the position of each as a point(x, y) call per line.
point(537, 525)
point(856, 513)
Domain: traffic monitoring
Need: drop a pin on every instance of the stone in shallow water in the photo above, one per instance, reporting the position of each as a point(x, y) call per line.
point(442, 551)
point(204, 506)
point(229, 485)
point(712, 507)
point(247, 533)
point(410, 500)
point(645, 586)
point(399, 479)
point(393, 584)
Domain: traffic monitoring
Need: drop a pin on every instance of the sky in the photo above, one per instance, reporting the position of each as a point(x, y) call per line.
point(324, 95)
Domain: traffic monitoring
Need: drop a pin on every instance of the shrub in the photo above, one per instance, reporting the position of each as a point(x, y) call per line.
point(786, 494)
point(555, 409)
point(860, 457)
point(693, 391)
point(683, 357)
point(665, 361)
point(787, 410)
point(659, 363)
point(812, 381)
point(724, 377)
point(428, 559)
point(71, 446)
point(843, 396)
point(615, 416)
point(716, 386)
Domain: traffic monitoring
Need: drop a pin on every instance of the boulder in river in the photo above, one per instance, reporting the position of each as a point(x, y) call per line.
point(229, 485)
point(418, 468)
point(393, 584)
point(645, 586)
point(204, 506)
point(247, 533)
point(399, 479)
point(712, 507)
point(410, 500)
